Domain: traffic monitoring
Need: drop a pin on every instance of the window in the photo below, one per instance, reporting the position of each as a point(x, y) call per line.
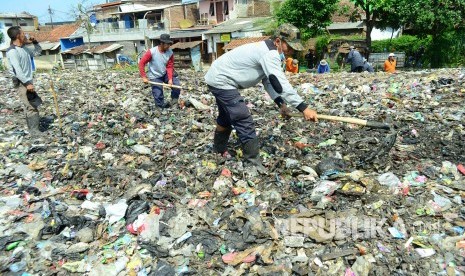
point(23, 24)
point(212, 9)
point(8, 24)
point(225, 8)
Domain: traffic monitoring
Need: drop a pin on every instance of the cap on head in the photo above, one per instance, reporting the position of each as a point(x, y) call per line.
point(392, 55)
point(165, 38)
point(295, 61)
point(291, 35)
point(323, 62)
point(351, 47)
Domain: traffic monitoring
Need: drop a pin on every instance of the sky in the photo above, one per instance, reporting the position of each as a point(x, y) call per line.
point(62, 9)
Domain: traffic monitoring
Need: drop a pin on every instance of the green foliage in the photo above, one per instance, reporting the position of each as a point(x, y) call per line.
point(406, 43)
point(1, 37)
point(321, 43)
point(448, 50)
point(304, 13)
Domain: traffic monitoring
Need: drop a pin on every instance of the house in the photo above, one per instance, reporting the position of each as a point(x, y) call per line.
point(188, 54)
point(96, 58)
point(138, 25)
point(26, 21)
point(218, 37)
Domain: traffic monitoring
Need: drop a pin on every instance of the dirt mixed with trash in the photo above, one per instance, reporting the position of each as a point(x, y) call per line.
point(116, 186)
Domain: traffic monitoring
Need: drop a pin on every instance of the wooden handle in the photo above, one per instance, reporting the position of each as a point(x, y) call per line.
point(350, 120)
point(165, 85)
point(343, 119)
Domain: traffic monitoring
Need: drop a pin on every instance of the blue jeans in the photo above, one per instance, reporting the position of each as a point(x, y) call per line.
point(157, 91)
point(232, 111)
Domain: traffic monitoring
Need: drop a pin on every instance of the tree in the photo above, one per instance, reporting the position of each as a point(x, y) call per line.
point(438, 18)
point(1, 37)
point(311, 17)
point(83, 17)
point(377, 13)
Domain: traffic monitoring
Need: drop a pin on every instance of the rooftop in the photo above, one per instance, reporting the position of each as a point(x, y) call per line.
point(100, 49)
point(54, 35)
point(241, 41)
point(236, 24)
point(16, 15)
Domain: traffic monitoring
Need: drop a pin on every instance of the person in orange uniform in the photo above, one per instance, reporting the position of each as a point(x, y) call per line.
point(390, 64)
point(292, 65)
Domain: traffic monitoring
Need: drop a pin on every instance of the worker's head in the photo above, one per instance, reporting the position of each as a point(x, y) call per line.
point(323, 62)
point(352, 48)
point(165, 42)
point(15, 33)
point(391, 56)
point(295, 61)
point(287, 39)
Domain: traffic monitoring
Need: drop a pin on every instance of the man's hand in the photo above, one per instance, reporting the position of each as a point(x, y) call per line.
point(145, 80)
point(30, 87)
point(33, 39)
point(310, 115)
point(285, 112)
point(170, 82)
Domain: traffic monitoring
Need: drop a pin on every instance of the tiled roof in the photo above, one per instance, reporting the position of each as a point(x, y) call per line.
point(54, 34)
point(241, 41)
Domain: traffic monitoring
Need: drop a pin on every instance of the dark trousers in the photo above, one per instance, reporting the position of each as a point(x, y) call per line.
point(358, 69)
point(157, 91)
point(232, 111)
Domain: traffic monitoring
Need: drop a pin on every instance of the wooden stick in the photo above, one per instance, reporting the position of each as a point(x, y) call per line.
point(57, 109)
point(349, 120)
point(165, 85)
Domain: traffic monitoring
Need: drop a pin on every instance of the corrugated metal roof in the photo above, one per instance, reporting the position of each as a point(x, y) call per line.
point(107, 49)
point(185, 45)
point(100, 49)
point(235, 25)
point(185, 34)
point(49, 45)
point(346, 26)
point(16, 15)
point(133, 8)
point(239, 42)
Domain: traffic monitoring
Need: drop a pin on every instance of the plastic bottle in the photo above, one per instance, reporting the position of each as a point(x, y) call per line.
point(17, 267)
point(45, 209)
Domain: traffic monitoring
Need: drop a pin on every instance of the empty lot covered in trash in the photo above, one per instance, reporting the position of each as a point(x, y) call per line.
point(126, 189)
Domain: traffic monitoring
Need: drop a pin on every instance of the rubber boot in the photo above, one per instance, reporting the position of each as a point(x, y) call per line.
point(251, 151)
point(174, 102)
point(33, 122)
point(220, 141)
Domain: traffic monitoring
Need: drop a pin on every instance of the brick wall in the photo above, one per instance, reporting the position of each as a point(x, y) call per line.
point(175, 14)
point(261, 8)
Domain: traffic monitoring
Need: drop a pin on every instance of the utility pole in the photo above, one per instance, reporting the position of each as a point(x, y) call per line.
point(50, 12)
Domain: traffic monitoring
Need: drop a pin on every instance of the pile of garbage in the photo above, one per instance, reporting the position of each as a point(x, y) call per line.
point(118, 187)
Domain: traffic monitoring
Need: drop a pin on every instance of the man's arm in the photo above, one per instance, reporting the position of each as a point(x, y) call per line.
point(143, 61)
point(272, 67)
point(170, 69)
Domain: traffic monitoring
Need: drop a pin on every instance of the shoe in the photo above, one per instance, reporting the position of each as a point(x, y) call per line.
point(220, 141)
point(174, 102)
point(251, 151)
point(33, 123)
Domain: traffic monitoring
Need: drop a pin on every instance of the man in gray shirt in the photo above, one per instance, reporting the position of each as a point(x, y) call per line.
point(245, 67)
point(355, 59)
point(20, 62)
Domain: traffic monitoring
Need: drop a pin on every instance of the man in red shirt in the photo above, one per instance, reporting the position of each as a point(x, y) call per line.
point(160, 70)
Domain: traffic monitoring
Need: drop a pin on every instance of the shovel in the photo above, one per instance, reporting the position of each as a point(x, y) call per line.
point(165, 85)
point(372, 124)
point(383, 149)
